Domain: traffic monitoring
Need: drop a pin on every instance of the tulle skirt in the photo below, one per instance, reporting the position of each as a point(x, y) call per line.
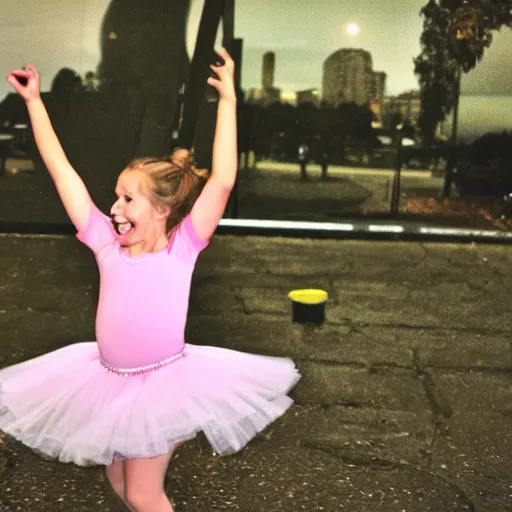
point(68, 406)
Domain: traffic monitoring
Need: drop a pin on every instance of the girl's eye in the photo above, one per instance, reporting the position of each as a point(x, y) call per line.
point(128, 199)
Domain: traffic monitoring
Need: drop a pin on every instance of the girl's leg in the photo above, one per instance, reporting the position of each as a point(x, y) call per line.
point(144, 481)
point(115, 476)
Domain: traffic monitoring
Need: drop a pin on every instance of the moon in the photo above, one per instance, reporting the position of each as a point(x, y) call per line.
point(353, 29)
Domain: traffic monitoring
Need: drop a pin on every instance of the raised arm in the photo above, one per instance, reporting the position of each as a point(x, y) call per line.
point(211, 203)
point(71, 188)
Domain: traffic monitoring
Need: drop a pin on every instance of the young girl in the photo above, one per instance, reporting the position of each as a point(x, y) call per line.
point(127, 400)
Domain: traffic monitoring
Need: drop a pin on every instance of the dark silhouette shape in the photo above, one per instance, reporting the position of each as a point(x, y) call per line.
point(66, 82)
point(486, 171)
point(144, 50)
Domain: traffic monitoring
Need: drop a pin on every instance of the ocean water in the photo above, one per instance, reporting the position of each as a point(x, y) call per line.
point(482, 114)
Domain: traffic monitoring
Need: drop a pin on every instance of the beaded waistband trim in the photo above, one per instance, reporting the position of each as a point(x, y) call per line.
point(128, 372)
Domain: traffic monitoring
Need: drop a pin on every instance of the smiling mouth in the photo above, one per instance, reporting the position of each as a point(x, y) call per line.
point(122, 228)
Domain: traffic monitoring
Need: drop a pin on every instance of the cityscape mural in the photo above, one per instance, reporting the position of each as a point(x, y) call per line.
point(337, 117)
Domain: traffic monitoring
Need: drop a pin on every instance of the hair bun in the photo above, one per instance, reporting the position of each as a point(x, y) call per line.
point(181, 156)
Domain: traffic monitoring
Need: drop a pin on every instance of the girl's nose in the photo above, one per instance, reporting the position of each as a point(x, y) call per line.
point(115, 208)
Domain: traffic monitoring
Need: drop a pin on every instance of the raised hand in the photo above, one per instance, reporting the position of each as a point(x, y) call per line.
point(25, 82)
point(225, 83)
point(71, 188)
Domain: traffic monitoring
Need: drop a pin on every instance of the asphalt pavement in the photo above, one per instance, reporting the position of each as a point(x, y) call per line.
point(405, 404)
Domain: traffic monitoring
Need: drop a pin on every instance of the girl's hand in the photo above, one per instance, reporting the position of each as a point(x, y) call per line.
point(225, 83)
point(29, 90)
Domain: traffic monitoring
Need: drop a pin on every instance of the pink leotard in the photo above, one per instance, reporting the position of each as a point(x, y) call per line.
point(143, 300)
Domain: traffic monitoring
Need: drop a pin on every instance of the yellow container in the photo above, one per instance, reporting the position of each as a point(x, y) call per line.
point(308, 306)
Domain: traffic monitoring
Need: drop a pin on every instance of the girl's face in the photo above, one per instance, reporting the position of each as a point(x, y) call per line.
point(135, 219)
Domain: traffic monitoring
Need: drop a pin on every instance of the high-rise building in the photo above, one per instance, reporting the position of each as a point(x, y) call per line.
point(267, 75)
point(268, 94)
point(348, 76)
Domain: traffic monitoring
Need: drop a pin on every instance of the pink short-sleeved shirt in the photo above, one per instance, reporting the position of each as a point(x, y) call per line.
point(143, 300)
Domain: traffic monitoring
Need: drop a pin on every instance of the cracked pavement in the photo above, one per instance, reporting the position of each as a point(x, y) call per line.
point(405, 402)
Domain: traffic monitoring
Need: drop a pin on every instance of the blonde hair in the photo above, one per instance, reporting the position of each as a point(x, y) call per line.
point(174, 183)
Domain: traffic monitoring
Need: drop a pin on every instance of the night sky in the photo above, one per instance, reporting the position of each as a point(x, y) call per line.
point(61, 33)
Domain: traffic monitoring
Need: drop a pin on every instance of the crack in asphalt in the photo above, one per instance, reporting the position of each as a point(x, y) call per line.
point(438, 401)
point(376, 462)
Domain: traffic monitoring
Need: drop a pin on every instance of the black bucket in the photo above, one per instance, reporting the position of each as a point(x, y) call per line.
point(308, 306)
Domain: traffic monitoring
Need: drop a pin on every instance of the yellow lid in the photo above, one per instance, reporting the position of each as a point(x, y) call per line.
point(308, 296)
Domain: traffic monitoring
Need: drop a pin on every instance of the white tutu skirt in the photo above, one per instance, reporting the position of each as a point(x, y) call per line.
point(68, 406)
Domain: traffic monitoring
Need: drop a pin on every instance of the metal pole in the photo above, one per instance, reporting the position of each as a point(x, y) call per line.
point(234, 48)
point(397, 178)
point(228, 25)
point(199, 69)
point(236, 54)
